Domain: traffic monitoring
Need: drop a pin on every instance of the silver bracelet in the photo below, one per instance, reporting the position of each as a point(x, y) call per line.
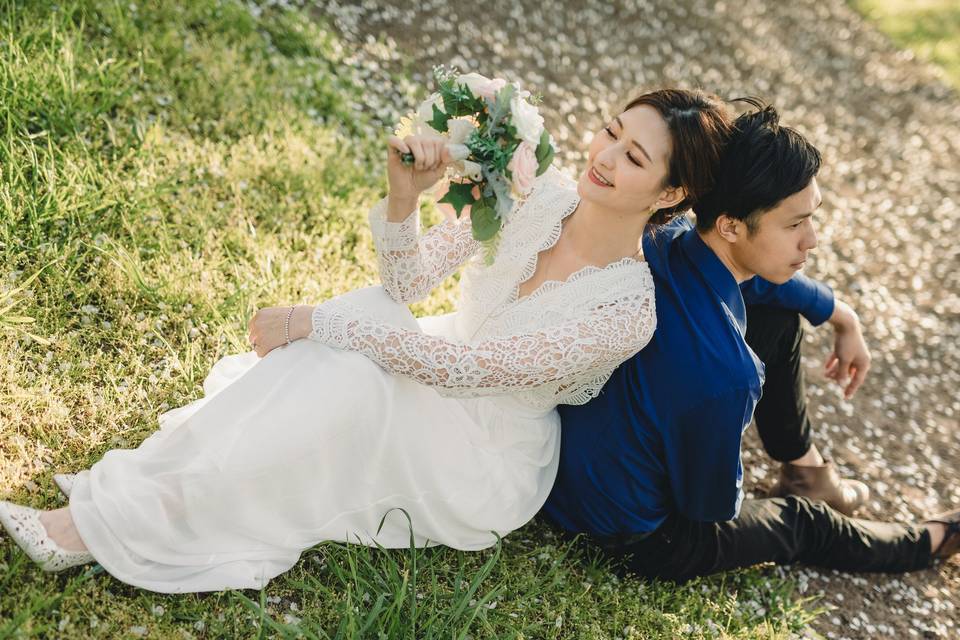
point(286, 325)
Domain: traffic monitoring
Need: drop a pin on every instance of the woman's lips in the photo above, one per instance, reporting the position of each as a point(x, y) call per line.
point(596, 179)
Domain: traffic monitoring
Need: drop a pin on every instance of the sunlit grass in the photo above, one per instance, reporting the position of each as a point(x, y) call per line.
point(167, 168)
point(931, 28)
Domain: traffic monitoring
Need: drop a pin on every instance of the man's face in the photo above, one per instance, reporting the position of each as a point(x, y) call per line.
point(778, 248)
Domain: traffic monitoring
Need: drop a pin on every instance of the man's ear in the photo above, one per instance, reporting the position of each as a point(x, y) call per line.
point(729, 228)
point(670, 197)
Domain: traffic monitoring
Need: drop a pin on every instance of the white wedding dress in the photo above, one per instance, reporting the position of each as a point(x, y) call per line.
point(450, 418)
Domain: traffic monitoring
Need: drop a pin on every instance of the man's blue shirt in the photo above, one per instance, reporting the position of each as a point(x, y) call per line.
point(664, 433)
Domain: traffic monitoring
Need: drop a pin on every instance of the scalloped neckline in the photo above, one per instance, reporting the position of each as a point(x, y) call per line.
point(530, 268)
point(579, 274)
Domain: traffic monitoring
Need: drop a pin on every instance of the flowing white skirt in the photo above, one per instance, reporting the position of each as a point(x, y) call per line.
point(308, 444)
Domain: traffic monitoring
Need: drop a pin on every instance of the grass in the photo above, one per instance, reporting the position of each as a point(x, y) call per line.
point(931, 28)
point(167, 168)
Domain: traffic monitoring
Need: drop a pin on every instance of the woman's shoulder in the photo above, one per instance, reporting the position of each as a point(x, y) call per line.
point(626, 282)
point(628, 277)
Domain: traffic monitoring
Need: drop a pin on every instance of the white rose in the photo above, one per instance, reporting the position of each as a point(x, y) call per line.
point(527, 120)
point(460, 129)
point(468, 169)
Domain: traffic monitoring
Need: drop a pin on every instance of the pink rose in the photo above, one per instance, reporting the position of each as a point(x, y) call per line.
point(523, 168)
point(481, 86)
point(489, 90)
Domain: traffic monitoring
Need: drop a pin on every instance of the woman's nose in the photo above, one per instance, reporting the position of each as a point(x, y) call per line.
point(605, 157)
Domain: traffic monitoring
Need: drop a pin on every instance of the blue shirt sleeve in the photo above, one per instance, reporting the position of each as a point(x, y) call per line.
point(706, 476)
point(804, 295)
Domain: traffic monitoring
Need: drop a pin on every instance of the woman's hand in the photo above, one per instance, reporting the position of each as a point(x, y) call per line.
point(430, 160)
point(266, 327)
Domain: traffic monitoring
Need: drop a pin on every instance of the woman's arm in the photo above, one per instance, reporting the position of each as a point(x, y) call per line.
point(411, 264)
point(603, 338)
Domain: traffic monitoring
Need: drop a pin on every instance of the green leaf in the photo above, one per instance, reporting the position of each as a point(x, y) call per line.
point(544, 153)
point(458, 99)
point(543, 147)
point(498, 184)
point(439, 120)
point(500, 107)
point(484, 219)
point(459, 196)
point(545, 163)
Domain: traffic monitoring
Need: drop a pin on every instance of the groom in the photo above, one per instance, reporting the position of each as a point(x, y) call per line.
point(651, 470)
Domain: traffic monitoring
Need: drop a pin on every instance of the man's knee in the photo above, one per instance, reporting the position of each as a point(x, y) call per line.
point(813, 520)
point(774, 333)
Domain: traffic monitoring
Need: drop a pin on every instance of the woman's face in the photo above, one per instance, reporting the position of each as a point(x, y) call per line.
point(628, 163)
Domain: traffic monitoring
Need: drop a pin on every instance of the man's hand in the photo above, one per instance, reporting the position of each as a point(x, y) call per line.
point(850, 360)
point(266, 327)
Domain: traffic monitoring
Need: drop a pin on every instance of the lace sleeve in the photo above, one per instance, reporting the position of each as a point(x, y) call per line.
point(604, 338)
point(411, 265)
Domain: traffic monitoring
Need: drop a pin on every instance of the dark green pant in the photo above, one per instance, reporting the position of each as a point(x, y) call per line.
point(782, 530)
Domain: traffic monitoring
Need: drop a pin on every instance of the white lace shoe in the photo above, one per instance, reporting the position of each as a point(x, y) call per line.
point(64, 482)
point(24, 526)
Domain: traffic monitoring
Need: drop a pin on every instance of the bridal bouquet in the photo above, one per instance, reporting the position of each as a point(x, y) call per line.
point(497, 138)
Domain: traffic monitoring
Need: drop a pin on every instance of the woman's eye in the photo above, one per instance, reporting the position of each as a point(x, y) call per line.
point(630, 157)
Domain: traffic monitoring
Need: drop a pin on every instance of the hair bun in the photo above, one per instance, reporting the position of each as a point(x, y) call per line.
point(764, 116)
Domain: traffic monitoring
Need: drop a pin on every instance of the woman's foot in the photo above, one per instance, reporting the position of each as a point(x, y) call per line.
point(64, 482)
point(59, 526)
point(48, 538)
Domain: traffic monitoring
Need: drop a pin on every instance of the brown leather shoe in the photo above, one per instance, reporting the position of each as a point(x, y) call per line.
point(951, 539)
point(821, 483)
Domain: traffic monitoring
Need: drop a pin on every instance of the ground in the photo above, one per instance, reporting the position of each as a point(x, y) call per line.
point(166, 168)
point(889, 130)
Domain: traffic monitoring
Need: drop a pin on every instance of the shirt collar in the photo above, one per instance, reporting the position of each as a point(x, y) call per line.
point(717, 275)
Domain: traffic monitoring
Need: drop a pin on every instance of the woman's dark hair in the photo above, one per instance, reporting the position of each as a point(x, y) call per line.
point(699, 125)
point(763, 163)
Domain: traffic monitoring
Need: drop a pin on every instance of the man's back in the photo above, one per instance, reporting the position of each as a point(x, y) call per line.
point(665, 431)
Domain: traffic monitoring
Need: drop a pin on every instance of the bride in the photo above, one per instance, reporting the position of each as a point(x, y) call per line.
point(350, 411)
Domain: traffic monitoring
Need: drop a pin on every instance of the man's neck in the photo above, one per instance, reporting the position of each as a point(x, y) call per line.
point(721, 249)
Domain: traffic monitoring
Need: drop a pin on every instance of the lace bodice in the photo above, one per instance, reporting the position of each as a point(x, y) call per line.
point(557, 345)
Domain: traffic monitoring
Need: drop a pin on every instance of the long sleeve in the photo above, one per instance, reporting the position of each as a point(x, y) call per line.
point(804, 295)
point(706, 475)
point(603, 338)
point(411, 265)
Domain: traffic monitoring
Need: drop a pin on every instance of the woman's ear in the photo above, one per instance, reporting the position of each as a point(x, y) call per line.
point(670, 197)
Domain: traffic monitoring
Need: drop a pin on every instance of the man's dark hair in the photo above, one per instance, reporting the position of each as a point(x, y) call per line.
point(762, 164)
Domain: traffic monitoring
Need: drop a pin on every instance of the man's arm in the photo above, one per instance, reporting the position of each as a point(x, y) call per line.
point(703, 455)
point(809, 297)
point(849, 361)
